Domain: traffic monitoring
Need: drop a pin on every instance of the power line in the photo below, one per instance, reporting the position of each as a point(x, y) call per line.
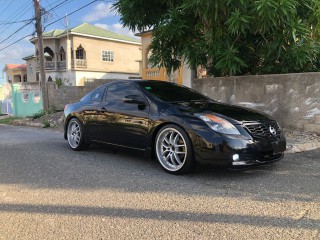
point(6, 7)
point(29, 35)
point(32, 34)
point(49, 4)
point(72, 12)
point(28, 23)
point(59, 5)
point(9, 23)
point(21, 13)
point(31, 20)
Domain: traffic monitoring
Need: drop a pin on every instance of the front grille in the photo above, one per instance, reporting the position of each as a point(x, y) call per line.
point(259, 157)
point(263, 129)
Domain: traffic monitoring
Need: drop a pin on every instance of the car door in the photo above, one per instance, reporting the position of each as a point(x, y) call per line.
point(124, 123)
point(91, 110)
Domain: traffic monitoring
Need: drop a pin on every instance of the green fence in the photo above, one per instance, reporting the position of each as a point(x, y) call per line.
point(25, 103)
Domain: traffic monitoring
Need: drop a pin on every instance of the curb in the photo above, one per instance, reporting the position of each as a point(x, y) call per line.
point(28, 124)
point(4, 117)
point(302, 147)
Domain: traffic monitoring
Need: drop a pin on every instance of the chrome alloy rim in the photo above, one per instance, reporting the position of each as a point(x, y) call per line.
point(74, 134)
point(171, 149)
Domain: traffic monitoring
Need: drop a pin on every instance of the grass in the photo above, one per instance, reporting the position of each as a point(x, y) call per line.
point(51, 110)
point(46, 124)
point(38, 115)
point(7, 120)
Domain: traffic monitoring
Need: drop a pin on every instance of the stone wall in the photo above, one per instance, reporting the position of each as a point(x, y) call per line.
point(292, 99)
point(59, 97)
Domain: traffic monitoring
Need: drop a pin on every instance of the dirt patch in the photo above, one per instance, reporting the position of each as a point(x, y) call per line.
point(53, 120)
point(302, 135)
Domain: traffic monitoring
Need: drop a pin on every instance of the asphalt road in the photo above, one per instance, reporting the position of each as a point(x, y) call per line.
point(48, 191)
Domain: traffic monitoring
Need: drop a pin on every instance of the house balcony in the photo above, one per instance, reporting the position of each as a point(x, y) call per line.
point(79, 63)
point(47, 66)
point(61, 65)
point(154, 74)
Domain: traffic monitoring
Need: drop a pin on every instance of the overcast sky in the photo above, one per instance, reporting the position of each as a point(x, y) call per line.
point(99, 13)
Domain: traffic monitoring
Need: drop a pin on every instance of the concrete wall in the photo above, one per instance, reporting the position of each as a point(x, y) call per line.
point(292, 99)
point(59, 97)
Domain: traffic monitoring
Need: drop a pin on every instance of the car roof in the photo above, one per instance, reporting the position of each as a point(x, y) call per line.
point(137, 81)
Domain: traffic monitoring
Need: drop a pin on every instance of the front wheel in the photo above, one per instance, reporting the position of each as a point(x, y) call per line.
point(174, 150)
point(75, 135)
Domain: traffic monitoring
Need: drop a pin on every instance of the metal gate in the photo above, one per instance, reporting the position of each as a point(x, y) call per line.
point(6, 107)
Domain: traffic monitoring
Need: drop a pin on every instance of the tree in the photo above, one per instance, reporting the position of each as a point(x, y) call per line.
point(229, 37)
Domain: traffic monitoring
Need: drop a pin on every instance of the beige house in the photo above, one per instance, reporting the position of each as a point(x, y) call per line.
point(15, 73)
point(84, 53)
point(31, 68)
point(182, 76)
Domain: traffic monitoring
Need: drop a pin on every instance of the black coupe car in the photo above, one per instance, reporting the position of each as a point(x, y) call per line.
point(178, 125)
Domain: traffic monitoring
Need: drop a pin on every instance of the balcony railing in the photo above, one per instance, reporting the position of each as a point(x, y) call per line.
point(154, 73)
point(79, 63)
point(47, 66)
point(61, 65)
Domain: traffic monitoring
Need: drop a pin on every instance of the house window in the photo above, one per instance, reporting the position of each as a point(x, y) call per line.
point(62, 54)
point(48, 54)
point(30, 69)
point(107, 56)
point(80, 53)
point(148, 60)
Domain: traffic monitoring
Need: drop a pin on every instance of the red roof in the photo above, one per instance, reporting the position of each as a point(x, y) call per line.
point(14, 66)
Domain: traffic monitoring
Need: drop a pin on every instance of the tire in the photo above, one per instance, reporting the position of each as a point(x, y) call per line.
point(173, 150)
point(75, 135)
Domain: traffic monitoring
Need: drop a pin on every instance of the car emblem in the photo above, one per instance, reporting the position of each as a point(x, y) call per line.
point(272, 130)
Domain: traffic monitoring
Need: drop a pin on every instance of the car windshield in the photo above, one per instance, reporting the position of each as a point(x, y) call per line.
point(169, 92)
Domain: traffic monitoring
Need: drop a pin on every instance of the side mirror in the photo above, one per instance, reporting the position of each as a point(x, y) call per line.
point(135, 99)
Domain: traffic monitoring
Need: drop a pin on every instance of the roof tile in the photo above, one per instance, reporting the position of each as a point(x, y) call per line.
point(91, 30)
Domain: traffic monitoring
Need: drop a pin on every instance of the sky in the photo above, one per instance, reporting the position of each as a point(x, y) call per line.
point(15, 15)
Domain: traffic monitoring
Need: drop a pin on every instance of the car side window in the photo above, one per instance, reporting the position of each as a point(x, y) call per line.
point(97, 94)
point(117, 92)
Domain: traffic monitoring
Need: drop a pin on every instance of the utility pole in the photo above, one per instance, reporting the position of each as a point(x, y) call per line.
point(41, 55)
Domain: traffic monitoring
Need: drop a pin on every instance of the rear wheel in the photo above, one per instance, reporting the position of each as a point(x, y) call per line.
point(75, 135)
point(174, 150)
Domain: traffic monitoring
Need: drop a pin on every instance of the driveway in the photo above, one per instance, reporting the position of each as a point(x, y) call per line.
point(48, 191)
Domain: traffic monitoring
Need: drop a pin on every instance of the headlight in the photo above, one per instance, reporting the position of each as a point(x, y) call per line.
point(218, 124)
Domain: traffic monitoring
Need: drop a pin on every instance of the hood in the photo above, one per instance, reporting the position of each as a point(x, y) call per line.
point(232, 113)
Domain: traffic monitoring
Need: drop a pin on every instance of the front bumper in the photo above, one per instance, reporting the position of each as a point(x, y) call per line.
point(256, 159)
point(238, 151)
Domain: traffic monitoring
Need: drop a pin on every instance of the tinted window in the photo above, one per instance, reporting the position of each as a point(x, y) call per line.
point(86, 98)
point(169, 92)
point(116, 92)
point(97, 94)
